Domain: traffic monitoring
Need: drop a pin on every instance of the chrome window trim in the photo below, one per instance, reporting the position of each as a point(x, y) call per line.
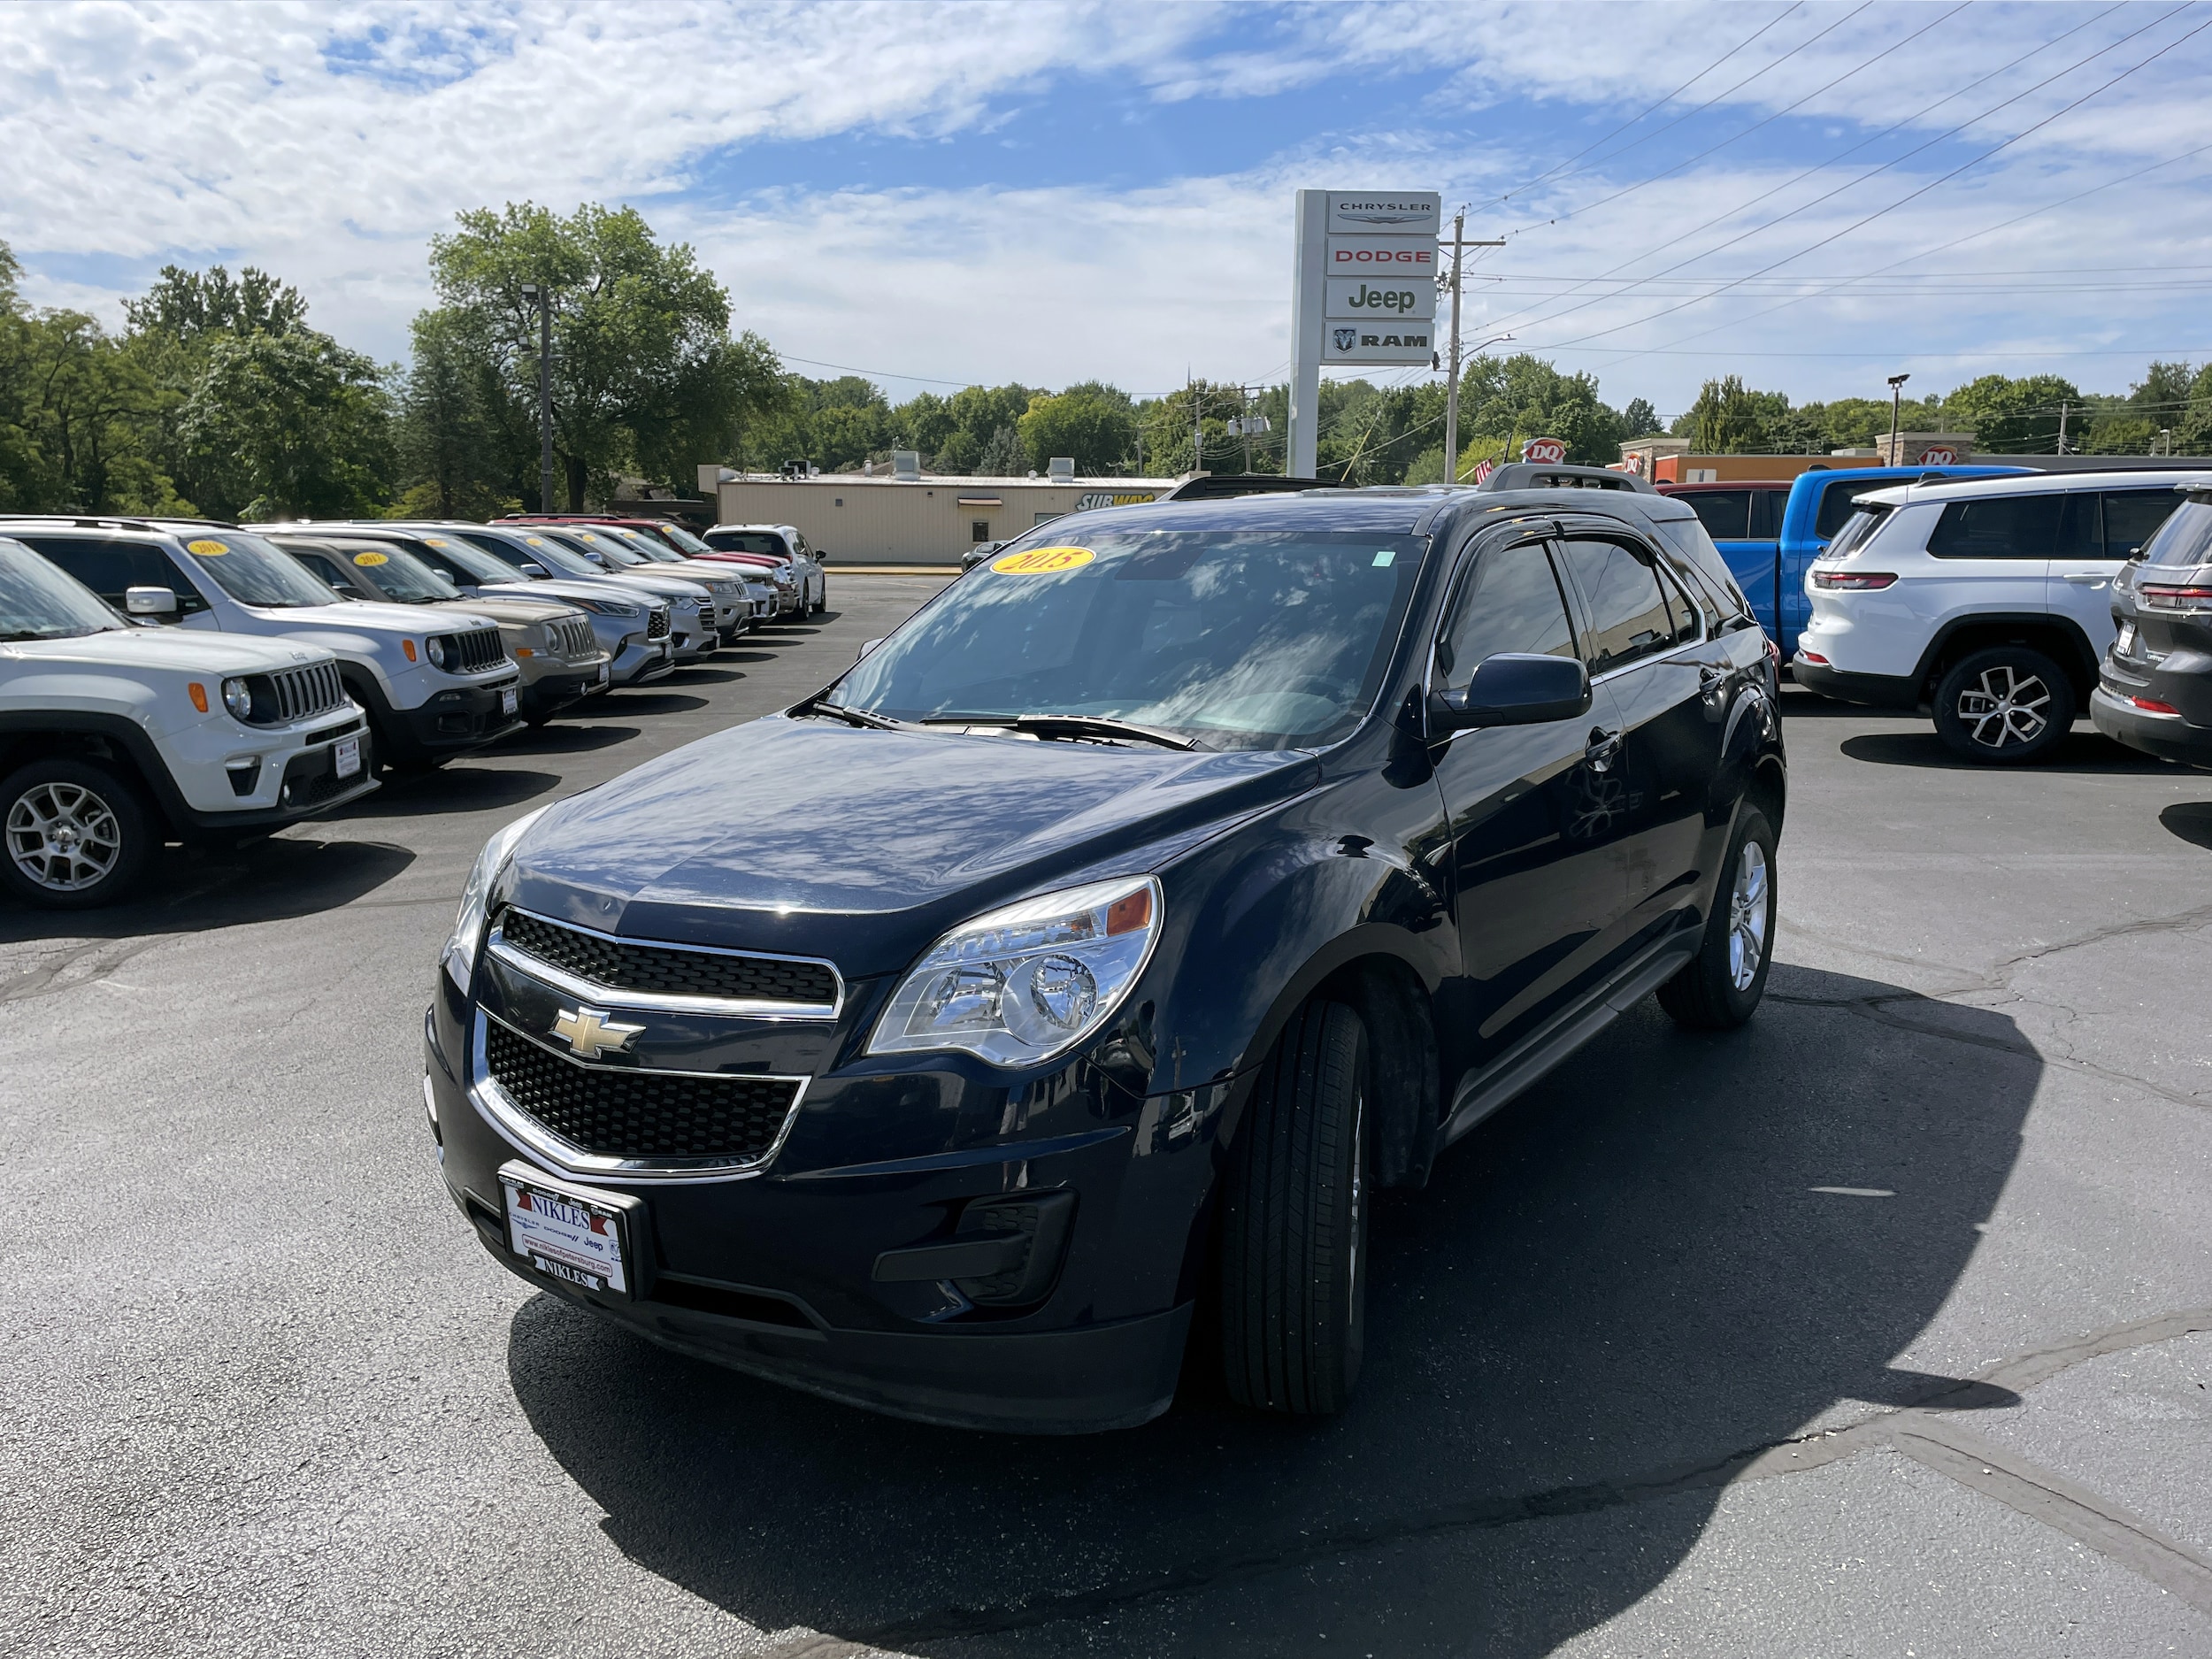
point(665, 1002)
point(527, 1134)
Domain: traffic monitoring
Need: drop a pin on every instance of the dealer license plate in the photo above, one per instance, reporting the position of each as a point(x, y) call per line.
point(603, 673)
point(507, 700)
point(345, 754)
point(565, 1235)
point(2127, 638)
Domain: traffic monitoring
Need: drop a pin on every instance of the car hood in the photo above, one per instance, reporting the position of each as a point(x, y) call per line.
point(362, 616)
point(809, 838)
point(508, 608)
point(187, 651)
point(560, 588)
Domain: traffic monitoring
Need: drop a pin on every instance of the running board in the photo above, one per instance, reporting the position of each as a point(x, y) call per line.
point(1536, 1054)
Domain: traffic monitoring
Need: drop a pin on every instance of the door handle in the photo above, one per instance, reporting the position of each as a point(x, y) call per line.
point(2087, 579)
point(1708, 675)
point(1603, 751)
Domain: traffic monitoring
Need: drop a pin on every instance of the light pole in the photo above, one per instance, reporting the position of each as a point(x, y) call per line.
point(1896, 398)
point(1451, 406)
point(1451, 393)
point(533, 292)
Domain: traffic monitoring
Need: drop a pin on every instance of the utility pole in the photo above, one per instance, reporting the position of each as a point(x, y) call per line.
point(1451, 392)
point(533, 291)
point(2063, 412)
point(1896, 399)
point(1244, 423)
point(1197, 431)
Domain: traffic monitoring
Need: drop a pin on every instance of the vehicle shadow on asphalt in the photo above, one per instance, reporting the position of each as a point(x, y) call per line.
point(658, 703)
point(2081, 750)
point(1623, 1283)
point(450, 788)
point(567, 740)
point(2191, 820)
point(194, 889)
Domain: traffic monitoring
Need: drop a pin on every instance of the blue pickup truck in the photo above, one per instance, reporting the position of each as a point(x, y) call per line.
point(1769, 530)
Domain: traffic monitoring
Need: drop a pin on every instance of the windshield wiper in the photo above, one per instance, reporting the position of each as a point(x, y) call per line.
point(1051, 725)
point(851, 717)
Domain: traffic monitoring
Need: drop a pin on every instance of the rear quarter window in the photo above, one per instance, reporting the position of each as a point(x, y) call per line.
point(1692, 554)
point(2184, 540)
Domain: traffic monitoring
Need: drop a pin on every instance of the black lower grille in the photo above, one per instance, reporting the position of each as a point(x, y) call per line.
point(621, 1112)
point(620, 965)
point(656, 623)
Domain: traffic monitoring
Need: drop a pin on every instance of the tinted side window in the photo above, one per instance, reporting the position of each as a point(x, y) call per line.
point(1726, 513)
point(2005, 527)
point(323, 568)
point(1511, 602)
point(1836, 504)
point(1702, 560)
point(1766, 513)
point(1630, 616)
point(2132, 517)
point(109, 567)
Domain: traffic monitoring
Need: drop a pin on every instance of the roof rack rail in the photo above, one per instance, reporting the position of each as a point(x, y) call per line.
point(1562, 475)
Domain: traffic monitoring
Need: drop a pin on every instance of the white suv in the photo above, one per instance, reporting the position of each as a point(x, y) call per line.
point(1986, 604)
point(433, 687)
point(114, 739)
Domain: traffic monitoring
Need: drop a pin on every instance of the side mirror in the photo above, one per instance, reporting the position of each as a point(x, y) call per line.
point(1513, 688)
point(866, 646)
point(535, 572)
point(151, 601)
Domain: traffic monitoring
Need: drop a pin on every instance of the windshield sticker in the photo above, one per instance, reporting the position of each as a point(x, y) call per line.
point(1043, 561)
point(371, 560)
point(434, 540)
point(206, 547)
point(535, 541)
point(1384, 557)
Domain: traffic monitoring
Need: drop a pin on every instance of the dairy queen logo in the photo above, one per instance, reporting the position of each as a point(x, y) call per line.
point(1346, 338)
point(1547, 451)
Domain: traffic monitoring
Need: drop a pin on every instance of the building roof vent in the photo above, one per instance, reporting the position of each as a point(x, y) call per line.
point(1061, 469)
point(906, 464)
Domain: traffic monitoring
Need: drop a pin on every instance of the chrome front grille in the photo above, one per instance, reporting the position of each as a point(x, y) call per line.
point(656, 623)
point(634, 974)
point(635, 1116)
point(301, 694)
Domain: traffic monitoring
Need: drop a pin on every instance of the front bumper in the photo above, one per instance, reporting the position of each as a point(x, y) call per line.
point(641, 660)
point(307, 785)
point(555, 688)
point(2168, 736)
point(776, 1271)
point(458, 719)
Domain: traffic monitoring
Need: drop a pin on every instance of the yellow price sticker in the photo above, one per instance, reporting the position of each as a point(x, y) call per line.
point(434, 540)
point(371, 560)
point(535, 541)
point(206, 547)
point(1043, 561)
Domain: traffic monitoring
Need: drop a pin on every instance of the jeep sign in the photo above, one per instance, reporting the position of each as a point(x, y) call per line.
point(1363, 299)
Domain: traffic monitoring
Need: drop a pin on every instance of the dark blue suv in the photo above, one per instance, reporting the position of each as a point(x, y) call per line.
point(1085, 955)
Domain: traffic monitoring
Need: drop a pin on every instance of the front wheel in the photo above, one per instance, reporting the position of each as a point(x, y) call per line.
point(77, 834)
point(1721, 986)
point(2004, 706)
point(1293, 1284)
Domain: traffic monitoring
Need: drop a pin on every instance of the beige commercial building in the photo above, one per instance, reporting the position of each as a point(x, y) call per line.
point(915, 518)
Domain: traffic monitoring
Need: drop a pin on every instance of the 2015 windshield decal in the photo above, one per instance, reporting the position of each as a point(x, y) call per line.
point(1043, 561)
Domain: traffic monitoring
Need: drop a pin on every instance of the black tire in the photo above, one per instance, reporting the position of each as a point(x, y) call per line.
point(1713, 993)
point(95, 812)
point(2005, 706)
point(1293, 1287)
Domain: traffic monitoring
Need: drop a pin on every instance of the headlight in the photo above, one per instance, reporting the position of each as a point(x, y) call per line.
point(604, 607)
point(1021, 985)
point(238, 698)
point(459, 957)
point(435, 648)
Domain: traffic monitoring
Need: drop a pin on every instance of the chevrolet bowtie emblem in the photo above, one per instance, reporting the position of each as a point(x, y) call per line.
point(590, 1034)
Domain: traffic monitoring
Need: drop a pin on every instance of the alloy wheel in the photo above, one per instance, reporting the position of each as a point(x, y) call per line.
point(63, 837)
point(1747, 916)
point(2005, 707)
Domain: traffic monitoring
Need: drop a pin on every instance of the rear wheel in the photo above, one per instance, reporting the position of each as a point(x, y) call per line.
point(2004, 706)
point(77, 834)
point(1721, 987)
point(1293, 1287)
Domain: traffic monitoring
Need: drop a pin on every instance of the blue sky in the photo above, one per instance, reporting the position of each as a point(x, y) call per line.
point(1046, 193)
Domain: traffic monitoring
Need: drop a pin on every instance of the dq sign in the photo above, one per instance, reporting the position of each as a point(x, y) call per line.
point(1547, 451)
point(1939, 455)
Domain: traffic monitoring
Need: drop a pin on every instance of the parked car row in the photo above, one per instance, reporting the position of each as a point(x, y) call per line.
point(170, 679)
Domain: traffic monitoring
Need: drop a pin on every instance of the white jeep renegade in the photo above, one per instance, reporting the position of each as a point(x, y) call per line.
point(114, 739)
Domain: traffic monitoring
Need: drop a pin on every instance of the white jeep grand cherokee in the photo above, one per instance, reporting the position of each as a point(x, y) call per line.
point(114, 738)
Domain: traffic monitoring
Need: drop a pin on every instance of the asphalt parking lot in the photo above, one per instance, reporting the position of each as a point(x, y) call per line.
point(1884, 1326)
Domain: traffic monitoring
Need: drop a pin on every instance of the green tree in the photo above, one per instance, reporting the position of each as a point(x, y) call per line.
point(2009, 417)
point(188, 305)
point(289, 425)
point(1002, 456)
point(1728, 419)
point(1093, 424)
point(1505, 401)
point(1639, 419)
point(459, 446)
point(645, 373)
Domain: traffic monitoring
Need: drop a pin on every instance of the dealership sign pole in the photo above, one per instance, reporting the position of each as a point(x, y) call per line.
point(1362, 291)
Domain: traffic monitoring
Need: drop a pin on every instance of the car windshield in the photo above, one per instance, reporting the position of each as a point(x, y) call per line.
point(252, 571)
point(38, 602)
point(2184, 540)
point(1232, 638)
point(555, 555)
point(605, 544)
point(683, 540)
point(765, 541)
point(472, 560)
point(650, 546)
point(398, 575)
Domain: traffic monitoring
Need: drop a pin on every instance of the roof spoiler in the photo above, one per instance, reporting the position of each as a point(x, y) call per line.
point(1543, 475)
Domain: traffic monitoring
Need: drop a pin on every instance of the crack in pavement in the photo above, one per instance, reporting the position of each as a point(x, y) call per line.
point(2097, 1522)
